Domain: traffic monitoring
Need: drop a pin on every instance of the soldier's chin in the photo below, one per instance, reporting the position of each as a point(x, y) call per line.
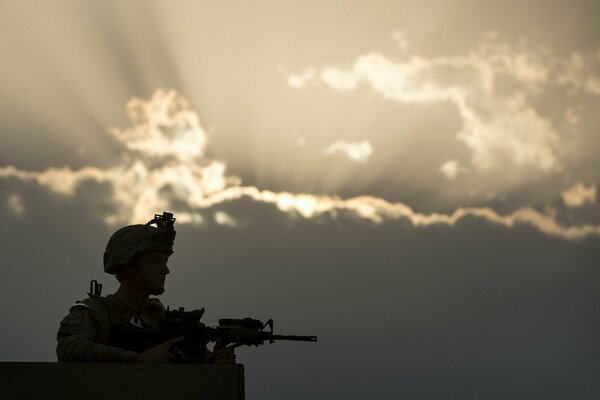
point(156, 290)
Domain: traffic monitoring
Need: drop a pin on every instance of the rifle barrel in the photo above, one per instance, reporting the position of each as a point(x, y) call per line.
point(294, 338)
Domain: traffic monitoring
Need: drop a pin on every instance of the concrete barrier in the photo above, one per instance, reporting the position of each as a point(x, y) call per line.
point(116, 381)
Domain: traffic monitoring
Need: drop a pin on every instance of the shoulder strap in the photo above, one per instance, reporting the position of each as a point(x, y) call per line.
point(97, 306)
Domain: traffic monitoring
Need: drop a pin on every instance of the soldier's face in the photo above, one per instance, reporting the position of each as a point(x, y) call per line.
point(152, 269)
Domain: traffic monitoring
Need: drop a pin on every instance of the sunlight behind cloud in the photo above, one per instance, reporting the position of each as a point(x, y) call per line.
point(152, 176)
point(163, 127)
point(500, 129)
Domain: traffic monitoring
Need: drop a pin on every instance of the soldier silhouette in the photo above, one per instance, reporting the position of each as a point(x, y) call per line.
point(103, 329)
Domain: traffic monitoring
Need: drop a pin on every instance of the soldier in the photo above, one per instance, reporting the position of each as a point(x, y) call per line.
point(102, 329)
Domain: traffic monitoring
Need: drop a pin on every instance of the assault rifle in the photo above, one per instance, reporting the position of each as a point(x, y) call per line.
point(230, 332)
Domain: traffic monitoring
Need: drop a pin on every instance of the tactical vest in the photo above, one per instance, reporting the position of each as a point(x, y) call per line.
point(120, 327)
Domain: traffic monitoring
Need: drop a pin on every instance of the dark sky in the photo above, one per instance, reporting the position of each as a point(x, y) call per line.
point(468, 269)
point(468, 312)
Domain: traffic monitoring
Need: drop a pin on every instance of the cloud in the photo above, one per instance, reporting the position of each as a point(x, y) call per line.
point(593, 85)
point(450, 169)
point(15, 204)
point(578, 195)
point(222, 218)
point(163, 127)
point(578, 73)
point(493, 88)
point(356, 151)
point(164, 163)
point(299, 80)
point(339, 79)
point(58, 180)
point(153, 176)
point(379, 210)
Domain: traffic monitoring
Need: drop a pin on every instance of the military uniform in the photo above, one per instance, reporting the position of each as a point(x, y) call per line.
point(100, 329)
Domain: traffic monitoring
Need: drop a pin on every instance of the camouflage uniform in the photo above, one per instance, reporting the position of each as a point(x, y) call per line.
point(94, 330)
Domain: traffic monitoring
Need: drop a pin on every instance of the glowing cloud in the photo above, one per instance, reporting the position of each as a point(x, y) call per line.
point(58, 180)
point(222, 218)
point(451, 169)
point(500, 124)
point(356, 151)
point(163, 127)
point(378, 211)
point(153, 176)
point(578, 195)
point(165, 163)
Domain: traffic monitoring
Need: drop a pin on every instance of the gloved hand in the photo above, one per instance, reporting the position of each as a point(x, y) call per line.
point(222, 354)
point(160, 353)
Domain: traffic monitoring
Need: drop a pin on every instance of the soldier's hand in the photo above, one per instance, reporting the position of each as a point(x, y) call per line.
point(222, 354)
point(225, 355)
point(160, 353)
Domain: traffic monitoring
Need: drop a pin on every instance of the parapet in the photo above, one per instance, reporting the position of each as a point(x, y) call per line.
point(120, 381)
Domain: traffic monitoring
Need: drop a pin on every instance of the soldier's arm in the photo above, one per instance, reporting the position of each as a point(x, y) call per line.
point(76, 340)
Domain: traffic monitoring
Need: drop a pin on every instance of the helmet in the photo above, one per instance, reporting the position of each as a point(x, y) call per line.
point(131, 240)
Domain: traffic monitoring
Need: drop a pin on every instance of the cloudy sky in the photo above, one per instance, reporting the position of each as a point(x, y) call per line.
point(415, 184)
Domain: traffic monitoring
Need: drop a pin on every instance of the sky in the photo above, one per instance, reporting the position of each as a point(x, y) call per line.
point(415, 184)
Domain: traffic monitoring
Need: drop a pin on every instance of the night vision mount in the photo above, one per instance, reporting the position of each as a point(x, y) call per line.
point(166, 220)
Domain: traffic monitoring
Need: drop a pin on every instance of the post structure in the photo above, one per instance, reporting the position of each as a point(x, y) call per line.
point(120, 381)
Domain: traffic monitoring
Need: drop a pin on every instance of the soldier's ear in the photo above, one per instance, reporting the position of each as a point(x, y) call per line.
point(126, 271)
point(129, 268)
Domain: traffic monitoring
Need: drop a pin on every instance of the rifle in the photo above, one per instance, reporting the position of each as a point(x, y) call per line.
point(230, 332)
